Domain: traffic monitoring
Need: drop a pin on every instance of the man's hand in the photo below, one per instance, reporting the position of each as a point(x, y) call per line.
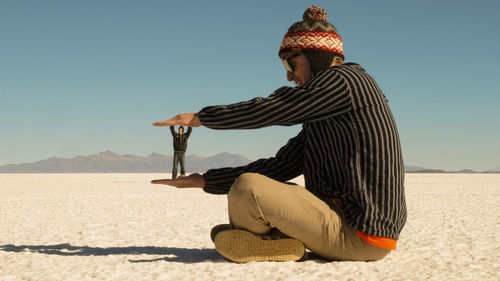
point(184, 119)
point(193, 180)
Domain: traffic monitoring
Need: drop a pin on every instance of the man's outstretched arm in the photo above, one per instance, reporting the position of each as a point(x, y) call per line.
point(287, 164)
point(324, 96)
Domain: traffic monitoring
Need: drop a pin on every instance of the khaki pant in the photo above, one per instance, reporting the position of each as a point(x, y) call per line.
point(258, 204)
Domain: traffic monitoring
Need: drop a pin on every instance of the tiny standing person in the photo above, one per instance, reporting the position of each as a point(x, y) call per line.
point(180, 146)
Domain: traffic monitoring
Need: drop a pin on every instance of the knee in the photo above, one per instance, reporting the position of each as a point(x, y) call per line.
point(243, 186)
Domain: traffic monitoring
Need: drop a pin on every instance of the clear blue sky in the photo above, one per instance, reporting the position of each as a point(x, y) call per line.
point(81, 77)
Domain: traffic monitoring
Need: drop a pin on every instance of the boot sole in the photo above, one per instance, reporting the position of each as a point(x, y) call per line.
point(242, 246)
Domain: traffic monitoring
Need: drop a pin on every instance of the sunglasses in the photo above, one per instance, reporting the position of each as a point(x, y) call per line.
point(286, 62)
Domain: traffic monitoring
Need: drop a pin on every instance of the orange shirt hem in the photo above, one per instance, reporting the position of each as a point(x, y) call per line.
point(380, 242)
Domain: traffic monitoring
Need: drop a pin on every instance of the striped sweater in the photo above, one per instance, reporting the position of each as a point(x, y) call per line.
point(348, 148)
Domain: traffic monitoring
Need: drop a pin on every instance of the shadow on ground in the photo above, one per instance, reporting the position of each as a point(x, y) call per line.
point(172, 254)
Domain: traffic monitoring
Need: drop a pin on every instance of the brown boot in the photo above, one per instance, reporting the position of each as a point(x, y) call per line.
point(243, 246)
point(218, 228)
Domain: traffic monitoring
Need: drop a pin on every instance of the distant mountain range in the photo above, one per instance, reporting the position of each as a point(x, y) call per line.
point(416, 169)
point(110, 162)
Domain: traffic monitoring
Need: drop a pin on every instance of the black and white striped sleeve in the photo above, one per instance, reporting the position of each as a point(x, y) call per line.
point(324, 96)
point(287, 164)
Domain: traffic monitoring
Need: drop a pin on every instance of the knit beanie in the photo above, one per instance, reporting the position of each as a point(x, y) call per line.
point(314, 37)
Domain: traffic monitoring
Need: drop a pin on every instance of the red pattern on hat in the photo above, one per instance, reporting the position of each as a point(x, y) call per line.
point(313, 40)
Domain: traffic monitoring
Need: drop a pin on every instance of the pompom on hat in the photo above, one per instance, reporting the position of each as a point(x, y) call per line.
point(315, 13)
point(312, 34)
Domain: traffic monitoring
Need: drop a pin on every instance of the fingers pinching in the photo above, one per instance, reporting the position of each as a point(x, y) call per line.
point(158, 181)
point(161, 123)
point(184, 119)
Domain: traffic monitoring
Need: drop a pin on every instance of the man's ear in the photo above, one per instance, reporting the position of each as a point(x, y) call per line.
point(337, 61)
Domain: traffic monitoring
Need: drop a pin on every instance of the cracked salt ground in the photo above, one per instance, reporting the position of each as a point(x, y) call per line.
point(120, 227)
